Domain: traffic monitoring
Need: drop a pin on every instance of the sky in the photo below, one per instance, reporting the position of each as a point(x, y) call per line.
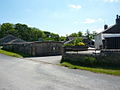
point(61, 16)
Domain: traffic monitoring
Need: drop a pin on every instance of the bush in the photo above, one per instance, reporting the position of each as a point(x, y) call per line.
point(69, 44)
point(80, 44)
point(75, 44)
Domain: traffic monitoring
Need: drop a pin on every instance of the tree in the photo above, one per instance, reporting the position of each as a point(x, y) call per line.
point(26, 33)
point(94, 33)
point(74, 35)
point(87, 34)
point(36, 34)
point(0, 32)
point(22, 31)
point(62, 38)
point(51, 36)
point(6, 29)
point(80, 34)
point(78, 40)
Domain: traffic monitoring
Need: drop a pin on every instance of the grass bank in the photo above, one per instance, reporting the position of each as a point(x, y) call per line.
point(10, 53)
point(95, 69)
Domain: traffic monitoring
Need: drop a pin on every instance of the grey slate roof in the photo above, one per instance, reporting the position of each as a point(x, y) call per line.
point(10, 39)
point(115, 29)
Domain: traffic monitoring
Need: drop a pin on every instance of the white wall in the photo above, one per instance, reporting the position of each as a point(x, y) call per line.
point(98, 40)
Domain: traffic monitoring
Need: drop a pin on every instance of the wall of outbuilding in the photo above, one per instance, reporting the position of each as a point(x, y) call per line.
point(36, 48)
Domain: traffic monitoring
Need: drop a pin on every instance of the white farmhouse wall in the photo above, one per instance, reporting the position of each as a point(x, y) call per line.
point(98, 40)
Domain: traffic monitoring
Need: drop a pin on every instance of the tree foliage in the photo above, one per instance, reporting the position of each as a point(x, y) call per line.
point(79, 34)
point(89, 35)
point(26, 33)
point(51, 36)
point(7, 28)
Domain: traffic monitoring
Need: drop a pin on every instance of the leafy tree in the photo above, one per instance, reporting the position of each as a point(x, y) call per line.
point(26, 33)
point(94, 33)
point(74, 35)
point(6, 29)
point(90, 35)
point(51, 36)
point(48, 34)
point(62, 38)
point(22, 31)
point(80, 34)
point(35, 34)
point(77, 40)
point(55, 36)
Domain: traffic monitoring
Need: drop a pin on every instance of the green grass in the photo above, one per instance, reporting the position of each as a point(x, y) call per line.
point(96, 70)
point(10, 53)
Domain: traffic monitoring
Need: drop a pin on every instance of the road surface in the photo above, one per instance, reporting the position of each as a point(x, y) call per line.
point(24, 74)
point(47, 59)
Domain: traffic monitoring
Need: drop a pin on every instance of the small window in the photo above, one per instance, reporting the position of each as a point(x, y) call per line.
point(54, 48)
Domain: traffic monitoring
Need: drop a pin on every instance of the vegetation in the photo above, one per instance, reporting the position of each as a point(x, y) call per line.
point(77, 42)
point(10, 53)
point(110, 71)
point(26, 33)
point(81, 60)
point(111, 60)
point(79, 34)
point(34, 34)
point(89, 35)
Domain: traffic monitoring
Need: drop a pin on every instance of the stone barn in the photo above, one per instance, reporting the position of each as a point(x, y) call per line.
point(47, 48)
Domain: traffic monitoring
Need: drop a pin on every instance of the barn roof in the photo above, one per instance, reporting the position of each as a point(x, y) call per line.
point(10, 39)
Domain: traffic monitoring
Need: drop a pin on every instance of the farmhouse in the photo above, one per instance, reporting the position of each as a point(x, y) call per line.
point(110, 37)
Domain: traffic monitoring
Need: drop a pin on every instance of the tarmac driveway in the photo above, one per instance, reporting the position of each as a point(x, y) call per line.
point(47, 59)
point(23, 74)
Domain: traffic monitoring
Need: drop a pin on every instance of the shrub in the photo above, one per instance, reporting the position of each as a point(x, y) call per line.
point(80, 44)
point(75, 44)
point(69, 44)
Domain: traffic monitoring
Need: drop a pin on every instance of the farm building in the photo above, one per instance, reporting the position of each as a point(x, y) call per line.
point(46, 48)
point(36, 48)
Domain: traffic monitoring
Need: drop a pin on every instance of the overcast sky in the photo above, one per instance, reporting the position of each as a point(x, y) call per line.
point(61, 16)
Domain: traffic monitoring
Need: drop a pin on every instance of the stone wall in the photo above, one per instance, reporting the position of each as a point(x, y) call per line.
point(23, 48)
point(106, 60)
point(36, 48)
point(48, 48)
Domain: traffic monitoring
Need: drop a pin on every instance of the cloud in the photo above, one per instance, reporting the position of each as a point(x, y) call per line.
point(111, 0)
point(98, 30)
point(75, 6)
point(90, 20)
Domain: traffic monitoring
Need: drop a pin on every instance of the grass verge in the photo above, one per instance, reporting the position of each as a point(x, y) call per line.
point(10, 53)
point(96, 70)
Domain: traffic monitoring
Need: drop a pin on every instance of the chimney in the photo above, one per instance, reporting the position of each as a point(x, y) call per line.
point(105, 27)
point(117, 19)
